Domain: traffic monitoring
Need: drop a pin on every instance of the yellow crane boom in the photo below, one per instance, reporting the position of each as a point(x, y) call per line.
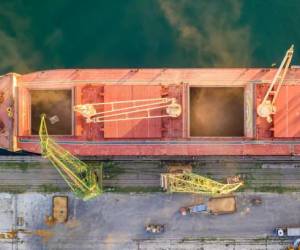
point(81, 179)
point(193, 183)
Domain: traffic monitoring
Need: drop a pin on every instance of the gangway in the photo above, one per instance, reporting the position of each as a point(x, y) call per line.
point(81, 179)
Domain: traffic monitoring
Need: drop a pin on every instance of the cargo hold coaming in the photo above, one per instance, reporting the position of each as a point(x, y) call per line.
point(218, 111)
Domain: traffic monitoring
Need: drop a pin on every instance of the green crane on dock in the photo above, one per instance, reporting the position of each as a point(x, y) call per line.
point(82, 180)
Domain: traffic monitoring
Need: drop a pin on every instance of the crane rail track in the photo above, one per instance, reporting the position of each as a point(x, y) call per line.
point(258, 172)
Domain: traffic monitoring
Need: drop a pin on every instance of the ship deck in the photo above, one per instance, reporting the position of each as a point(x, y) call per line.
point(218, 112)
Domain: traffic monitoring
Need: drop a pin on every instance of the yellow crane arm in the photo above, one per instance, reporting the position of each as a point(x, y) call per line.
point(193, 183)
point(80, 178)
point(267, 106)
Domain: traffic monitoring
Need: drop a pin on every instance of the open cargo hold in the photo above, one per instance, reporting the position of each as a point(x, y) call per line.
point(216, 111)
point(55, 104)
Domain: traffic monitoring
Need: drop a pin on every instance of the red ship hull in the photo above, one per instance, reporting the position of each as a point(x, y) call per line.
point(25, 95)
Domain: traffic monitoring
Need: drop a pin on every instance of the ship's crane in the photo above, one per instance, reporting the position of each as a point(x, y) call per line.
point(192, 183)
point(81, 179)
point(267, 107)
point(128, 110)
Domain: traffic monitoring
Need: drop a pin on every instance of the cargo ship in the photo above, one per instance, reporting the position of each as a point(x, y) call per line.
point(155, 112)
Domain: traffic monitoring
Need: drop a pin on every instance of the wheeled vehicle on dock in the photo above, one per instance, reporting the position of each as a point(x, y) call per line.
point(155, 228)
point(215, 206)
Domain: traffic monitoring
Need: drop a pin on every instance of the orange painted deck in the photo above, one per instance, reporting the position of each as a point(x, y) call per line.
point(286, 121)
point(141, 128)
point(162, 136)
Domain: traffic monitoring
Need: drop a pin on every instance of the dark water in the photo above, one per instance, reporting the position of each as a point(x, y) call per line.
point(146, 33)
point(37, 35)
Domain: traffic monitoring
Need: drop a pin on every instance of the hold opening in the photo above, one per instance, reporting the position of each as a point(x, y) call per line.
point(57, 105)
point(216, 111)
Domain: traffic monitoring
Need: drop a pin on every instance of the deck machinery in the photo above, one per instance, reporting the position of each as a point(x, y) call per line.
point(133, 110)
point(267, 108)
